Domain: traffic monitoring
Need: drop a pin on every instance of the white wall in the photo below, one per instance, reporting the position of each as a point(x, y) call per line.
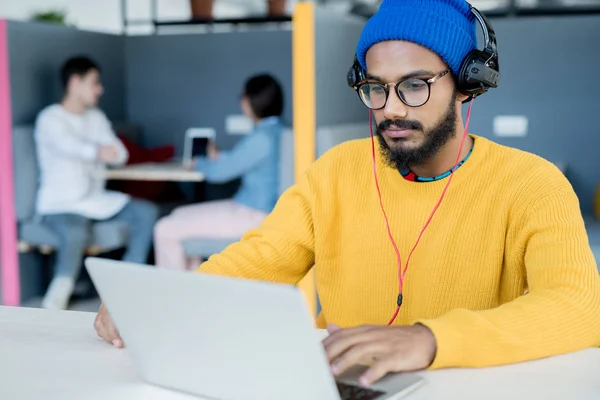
point(97, 15)
point(105, 15)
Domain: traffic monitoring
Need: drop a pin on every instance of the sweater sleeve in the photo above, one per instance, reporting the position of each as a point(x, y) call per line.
point(280, 250)
point(559, 314)
point(232, 164)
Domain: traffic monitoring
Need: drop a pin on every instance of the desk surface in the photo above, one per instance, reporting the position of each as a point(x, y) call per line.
point(173, 171)
point(57, 355)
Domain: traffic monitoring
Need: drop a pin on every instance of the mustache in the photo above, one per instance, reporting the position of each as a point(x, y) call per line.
point(399, 123)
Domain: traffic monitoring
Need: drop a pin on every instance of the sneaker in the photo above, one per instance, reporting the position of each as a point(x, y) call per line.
point(59, 293)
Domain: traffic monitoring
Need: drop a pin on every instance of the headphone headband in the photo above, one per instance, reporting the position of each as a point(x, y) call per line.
point(480, 69)
point(489, 36)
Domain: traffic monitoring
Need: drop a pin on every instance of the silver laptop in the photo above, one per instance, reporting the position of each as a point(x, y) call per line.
point(226, 338)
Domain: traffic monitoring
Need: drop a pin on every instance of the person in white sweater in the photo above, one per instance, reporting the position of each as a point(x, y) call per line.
point(74, 139)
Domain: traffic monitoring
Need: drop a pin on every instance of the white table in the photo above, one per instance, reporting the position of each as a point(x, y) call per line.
point(57, 355)
point(171, 171)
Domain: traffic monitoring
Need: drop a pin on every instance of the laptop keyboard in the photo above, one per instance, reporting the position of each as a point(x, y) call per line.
point(351, 392)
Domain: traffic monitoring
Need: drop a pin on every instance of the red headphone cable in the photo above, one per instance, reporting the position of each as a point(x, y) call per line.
point(401, 273)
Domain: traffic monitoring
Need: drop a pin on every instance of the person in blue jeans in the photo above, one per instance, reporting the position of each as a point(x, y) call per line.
point(74, 139)
point(255, 159)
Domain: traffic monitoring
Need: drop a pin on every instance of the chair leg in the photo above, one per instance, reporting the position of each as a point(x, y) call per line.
point(46, 250)
point(23, 247)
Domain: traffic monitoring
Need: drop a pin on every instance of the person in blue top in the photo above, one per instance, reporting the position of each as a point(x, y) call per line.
point(255, 160)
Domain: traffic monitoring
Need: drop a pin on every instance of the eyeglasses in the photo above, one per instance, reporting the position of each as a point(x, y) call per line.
point(414, 92)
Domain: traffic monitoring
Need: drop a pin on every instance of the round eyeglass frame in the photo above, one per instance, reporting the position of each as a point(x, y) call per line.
point(386, 86)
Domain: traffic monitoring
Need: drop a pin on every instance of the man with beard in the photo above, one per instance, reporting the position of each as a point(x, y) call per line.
point(502, 274)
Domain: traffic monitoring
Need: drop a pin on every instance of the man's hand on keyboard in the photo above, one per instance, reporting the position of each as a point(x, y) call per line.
point(386, 349)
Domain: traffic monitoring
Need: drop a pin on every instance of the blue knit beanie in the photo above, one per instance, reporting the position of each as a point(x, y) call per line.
point(446, 27)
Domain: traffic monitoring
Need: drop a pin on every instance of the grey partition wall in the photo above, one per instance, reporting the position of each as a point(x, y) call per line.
point(37, 51)
point(549, 75)
point(335, 44)
point(179, 81)
point(340, 116)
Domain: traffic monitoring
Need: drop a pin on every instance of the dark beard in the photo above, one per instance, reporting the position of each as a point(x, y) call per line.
point(402, 159)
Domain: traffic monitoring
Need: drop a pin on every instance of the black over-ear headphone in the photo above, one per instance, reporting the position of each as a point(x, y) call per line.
point(479, 70)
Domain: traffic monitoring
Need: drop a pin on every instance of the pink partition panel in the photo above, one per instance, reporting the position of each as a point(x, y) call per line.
point(9, 261)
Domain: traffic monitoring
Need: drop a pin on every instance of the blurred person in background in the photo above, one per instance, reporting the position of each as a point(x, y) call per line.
point(74, 140)
point(255, 160)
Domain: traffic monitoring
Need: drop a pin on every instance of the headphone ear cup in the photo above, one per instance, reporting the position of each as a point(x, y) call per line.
point(478, 74)
point(465, 83)
point(351, 77)
point(356, 73)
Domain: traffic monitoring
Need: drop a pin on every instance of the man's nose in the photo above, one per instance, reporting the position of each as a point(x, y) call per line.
point(394, 107)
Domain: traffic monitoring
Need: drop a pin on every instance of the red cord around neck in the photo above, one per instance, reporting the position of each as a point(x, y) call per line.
point(402, 273)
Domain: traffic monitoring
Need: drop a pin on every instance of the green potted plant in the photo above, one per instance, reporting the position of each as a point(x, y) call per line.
point(51, 16)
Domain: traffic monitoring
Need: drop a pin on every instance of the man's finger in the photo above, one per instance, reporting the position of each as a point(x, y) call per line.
point(363, 354)
point(114, 337)
point(345, 332)
point(113, 334)
point(379, 370)
point(340, 341)
point(99, 326)
point(106, 328)
point(99, 323)
point(103, 331)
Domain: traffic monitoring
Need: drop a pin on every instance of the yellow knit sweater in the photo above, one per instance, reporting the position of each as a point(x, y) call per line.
point(510, 223)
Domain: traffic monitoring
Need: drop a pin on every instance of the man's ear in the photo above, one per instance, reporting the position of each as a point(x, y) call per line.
point(462, 98)
point(75, 79)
